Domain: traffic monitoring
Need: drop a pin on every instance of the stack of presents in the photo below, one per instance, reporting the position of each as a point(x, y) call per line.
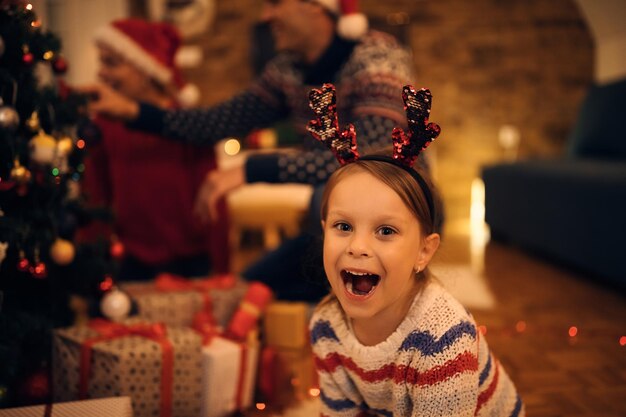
point(208, 347)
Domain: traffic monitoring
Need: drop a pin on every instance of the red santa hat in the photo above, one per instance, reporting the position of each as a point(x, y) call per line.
point(152, 47)
point(351, 24)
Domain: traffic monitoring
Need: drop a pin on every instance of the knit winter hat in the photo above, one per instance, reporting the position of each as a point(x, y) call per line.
point(352, 24)
point(152, 47)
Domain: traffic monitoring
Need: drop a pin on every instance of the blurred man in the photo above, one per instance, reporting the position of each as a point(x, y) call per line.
point(317, 41)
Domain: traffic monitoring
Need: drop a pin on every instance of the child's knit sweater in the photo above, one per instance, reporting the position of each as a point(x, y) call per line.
point(436, 363)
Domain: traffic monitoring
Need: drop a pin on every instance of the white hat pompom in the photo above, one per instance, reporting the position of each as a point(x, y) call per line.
point(352, 26)
point(189, 95)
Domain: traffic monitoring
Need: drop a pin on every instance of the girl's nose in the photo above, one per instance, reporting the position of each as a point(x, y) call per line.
point(359, 246)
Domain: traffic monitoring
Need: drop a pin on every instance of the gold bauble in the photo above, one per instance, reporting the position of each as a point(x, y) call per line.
point(42, 148)
point(19, 173)
point(62, 252)
point(65, 146)
point(33, 122)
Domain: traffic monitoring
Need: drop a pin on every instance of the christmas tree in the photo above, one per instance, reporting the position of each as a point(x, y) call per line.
point(46, 278)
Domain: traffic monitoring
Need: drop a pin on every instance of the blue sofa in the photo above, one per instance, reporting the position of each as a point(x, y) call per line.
point(570, 209)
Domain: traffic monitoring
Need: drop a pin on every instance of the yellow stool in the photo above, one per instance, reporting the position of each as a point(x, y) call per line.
point(275, 209)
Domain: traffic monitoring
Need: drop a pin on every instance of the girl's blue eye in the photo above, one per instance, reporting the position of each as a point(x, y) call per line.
point(342, 227)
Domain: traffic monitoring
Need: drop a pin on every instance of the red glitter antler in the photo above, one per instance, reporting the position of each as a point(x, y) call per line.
point(325, 127)
point(406, 147)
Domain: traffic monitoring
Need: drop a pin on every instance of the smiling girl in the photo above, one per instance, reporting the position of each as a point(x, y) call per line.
point(389, 340)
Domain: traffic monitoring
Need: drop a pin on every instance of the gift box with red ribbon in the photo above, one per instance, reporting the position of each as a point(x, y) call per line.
point(175, 300)
point(156, 365)
point(230, 357)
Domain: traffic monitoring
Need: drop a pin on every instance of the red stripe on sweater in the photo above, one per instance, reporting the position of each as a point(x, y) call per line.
point(464, 362)
point(484, 396)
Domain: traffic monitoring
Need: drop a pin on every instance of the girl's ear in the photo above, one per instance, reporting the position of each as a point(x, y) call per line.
point(430, 244)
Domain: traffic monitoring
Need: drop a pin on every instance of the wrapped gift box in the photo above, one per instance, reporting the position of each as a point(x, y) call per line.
point(103, 407)
point(295, 374)
point(157, 366)
point(176, 306)
point(286, 325)
point(228, 376)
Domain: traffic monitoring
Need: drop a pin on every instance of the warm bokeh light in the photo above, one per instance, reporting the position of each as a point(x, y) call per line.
point(573, 331)
point(260, 406)
point(29, 6)
point(482, 329)
point(48, 55)
point(232, 147)
point(80, 144)
point(314, 392)
point(520, 326)
point(295, 382)
point(622, 341)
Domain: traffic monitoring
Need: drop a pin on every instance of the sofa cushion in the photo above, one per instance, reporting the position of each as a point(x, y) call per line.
point(600, 130)
point(571, 210)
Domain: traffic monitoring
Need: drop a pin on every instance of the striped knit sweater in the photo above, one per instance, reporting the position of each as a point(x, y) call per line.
point(436, 363)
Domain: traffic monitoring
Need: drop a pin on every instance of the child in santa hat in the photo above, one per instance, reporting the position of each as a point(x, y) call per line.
point(151, 183)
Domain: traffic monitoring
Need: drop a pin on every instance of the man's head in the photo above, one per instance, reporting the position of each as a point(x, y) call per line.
point(306, 27)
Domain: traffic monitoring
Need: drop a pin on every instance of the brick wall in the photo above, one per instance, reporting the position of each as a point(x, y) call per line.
point(489, 63)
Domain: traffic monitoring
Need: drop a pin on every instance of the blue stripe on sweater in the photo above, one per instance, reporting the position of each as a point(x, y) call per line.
point(518, 407)
point(322, 330)
point(485, 372)
point(426, 343)
point(337, 405)
point(343, 404)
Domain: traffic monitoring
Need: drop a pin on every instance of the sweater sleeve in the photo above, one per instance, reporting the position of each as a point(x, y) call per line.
point(315, 166)
point(205, 126)
point(446, 377)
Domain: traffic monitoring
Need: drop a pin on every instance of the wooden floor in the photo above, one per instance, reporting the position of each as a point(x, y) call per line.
point(538, 305)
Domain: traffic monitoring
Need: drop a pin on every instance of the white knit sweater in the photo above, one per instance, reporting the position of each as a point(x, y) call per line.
point(436, 363)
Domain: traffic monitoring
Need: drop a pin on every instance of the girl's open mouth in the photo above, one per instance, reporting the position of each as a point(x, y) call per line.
point(359, 283)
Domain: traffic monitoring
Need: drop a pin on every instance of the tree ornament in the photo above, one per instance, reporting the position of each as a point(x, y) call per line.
point(3, 254)
point(35, 388)
point(28, 58)
point(117, 249)
point(39, 270)
point(19, 173)
point(23, 264)
point(62, 252)
point(59, 65)
point(33, 122)
point(42, 148)
point(9, 118)
point(115, 305)
point(63, 149)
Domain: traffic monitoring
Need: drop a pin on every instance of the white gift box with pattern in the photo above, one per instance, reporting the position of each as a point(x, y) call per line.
point(228, 376)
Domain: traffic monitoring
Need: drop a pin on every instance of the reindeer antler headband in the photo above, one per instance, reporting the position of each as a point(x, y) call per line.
point(406, 146)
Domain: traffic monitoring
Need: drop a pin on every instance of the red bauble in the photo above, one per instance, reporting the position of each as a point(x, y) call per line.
point(39, 270)
point(59, 65)
point(117, 250)
point(28, 58)
point(23, 265)
point(35, 388)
